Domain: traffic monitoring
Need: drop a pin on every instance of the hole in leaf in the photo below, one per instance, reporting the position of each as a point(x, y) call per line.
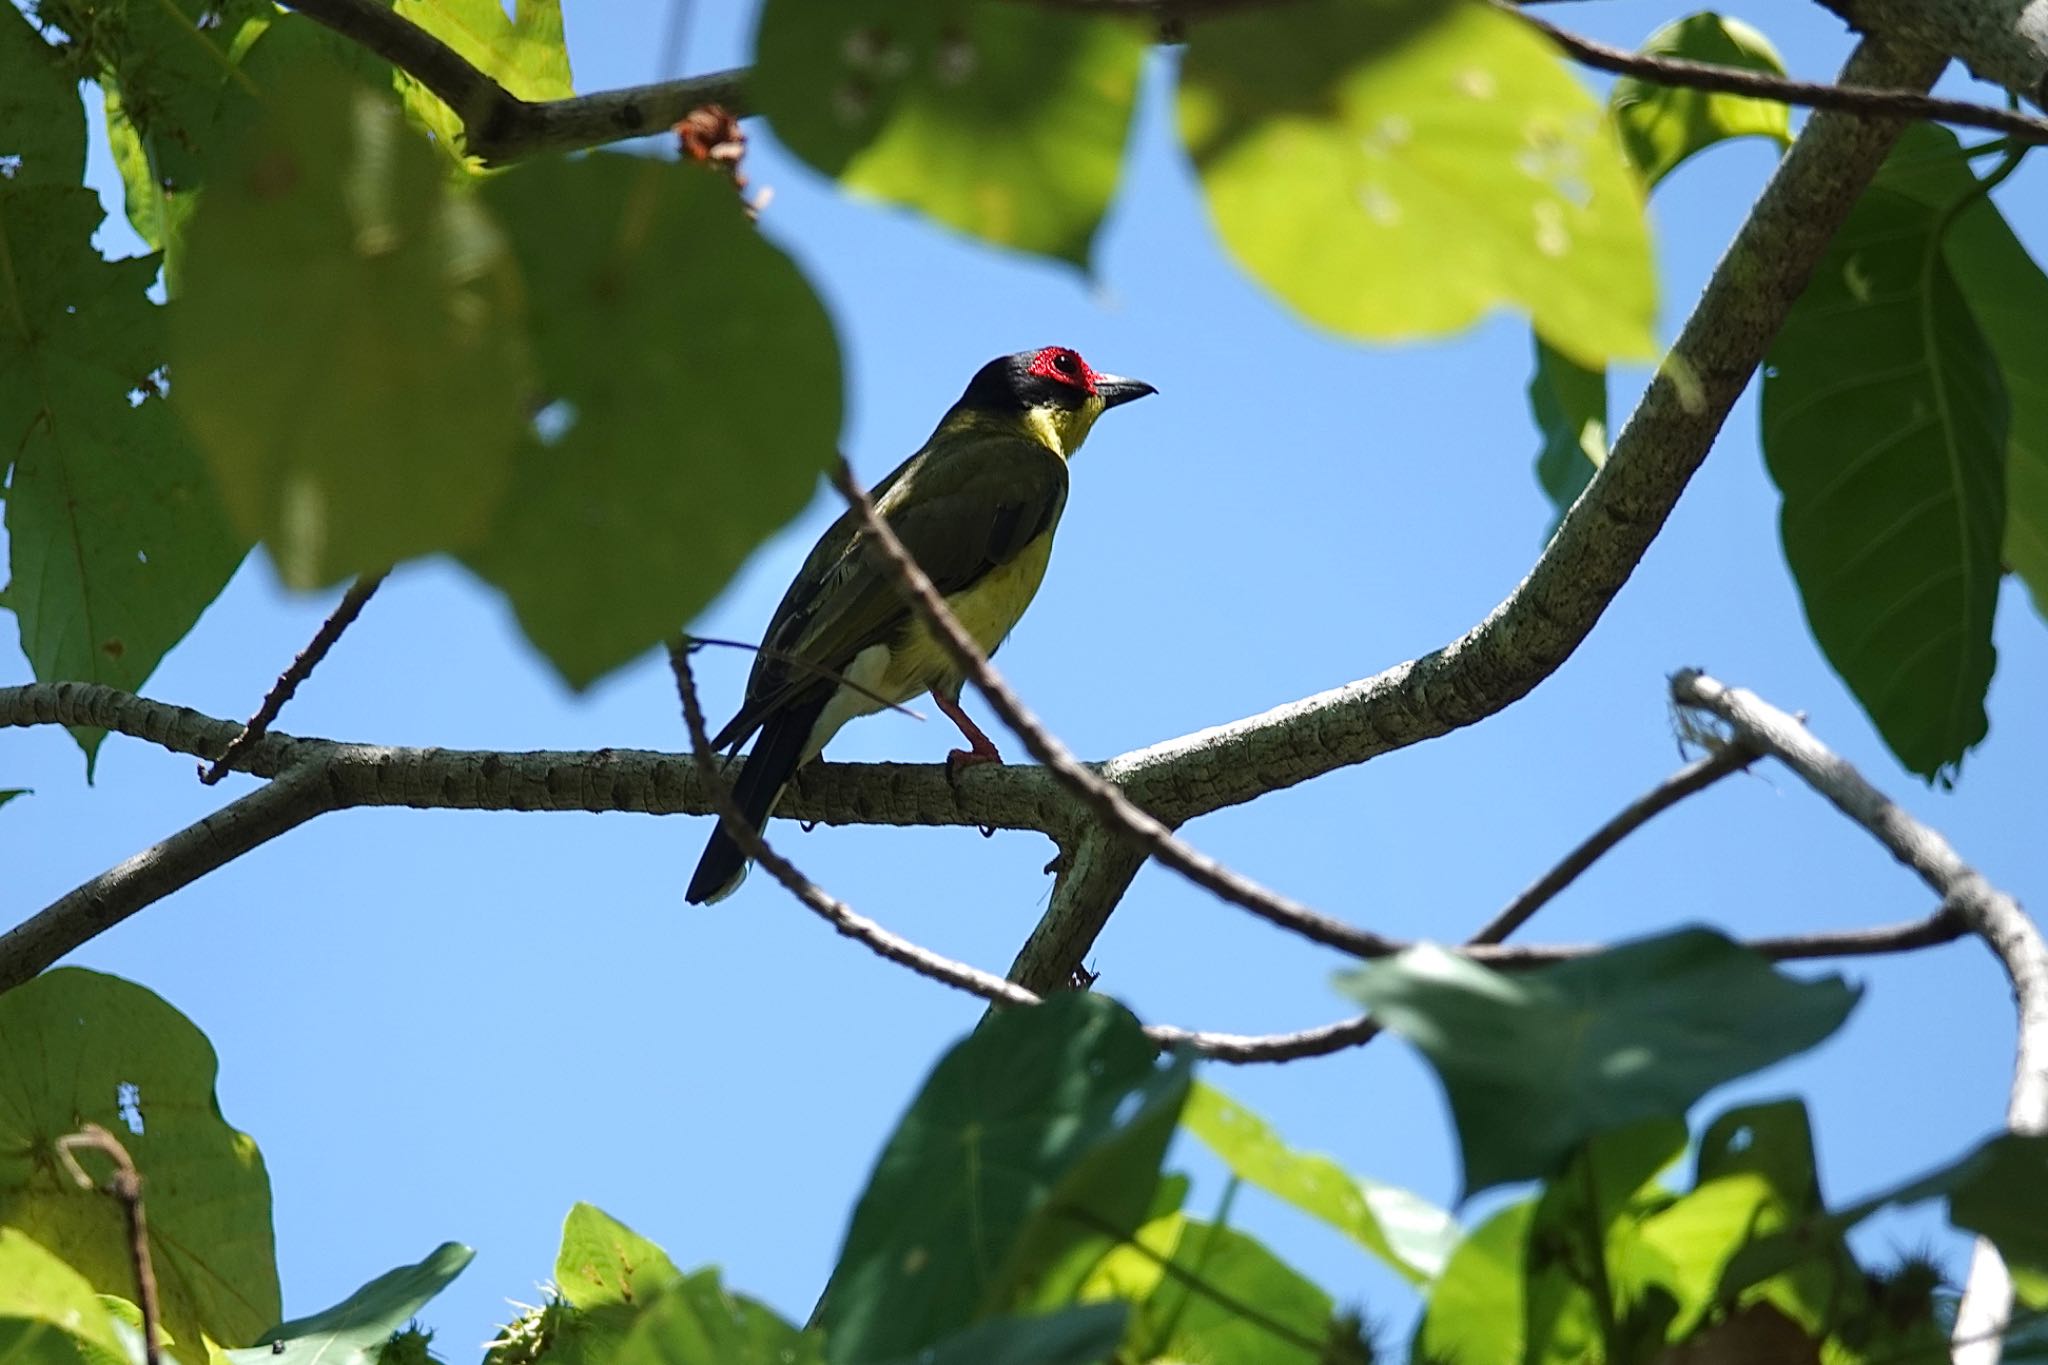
point(128, 1104)
point(554, 421)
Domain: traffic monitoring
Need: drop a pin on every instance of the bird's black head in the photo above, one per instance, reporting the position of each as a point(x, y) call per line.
point(1051, 392)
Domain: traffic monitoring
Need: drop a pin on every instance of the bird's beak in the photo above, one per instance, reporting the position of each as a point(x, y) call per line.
point(1113, 389)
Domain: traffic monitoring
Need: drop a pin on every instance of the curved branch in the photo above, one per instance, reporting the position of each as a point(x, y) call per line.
point(157, 871)
point(1987, 912)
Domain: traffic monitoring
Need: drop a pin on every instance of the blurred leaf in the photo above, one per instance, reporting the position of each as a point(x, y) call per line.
point(701, 381)
point(1083, 1335)
point(603, 1261)
point(2008, 295)
point(81, 1047)
point(1229, 1301)
point(1402, 1229)
point(1536, 1062)
point(1773, 1141)
point(1662, 125)
point(9, 793)
point(42, 122)
point(697, 1321)
point(1884, 425)
point(1569, 402)
point(989, 1149)
point(1004, 122)
point(1398, 170)
point(349, 351)
point(354, 1331)
point(116, 539)
point(1475, 1313)
point(523, 52)
point(49, 1314)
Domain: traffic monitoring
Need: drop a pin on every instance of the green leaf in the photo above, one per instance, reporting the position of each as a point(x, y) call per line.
point(81, 1047)
point(699, 1322)
point(1398, 170)
point(1662, 125)
point(9, 793)
point(42, 122)
point(523, 52)
point(1229, 1301)
point(1536, 1062)
point(999, 1142)
point(1083, 1335)
point(1569, 402)
point(1404, 1230)
point(1005, 123)
point(1475, 1314)
point(116, 539)
point(48, 1312)
point(1884, 425)
point(701, 382)
point(602, 1261)
point(349, 350)
point(2008, 295)
point(354, 1331)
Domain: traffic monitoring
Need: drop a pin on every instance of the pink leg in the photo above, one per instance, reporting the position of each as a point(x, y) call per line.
point(983, 748)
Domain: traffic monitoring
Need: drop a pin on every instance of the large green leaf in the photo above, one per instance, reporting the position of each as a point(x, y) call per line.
point(79, 1047)
point(602, 1261)
point(116, 539)
point(698, 1321)
point(1569, 402)
point(700, 382)
point(951, 1219)
point(1536, 1062)
point(49, 1314)
point(42, 122)
point(522, 51)
point(1662, 125)
point(1004, 122)
point(354, 1331)
point(1083, 1335)
point(1884, 425)
point(2008, 295)
point(1476, 1309)
point(1397, 170)
point(349, 350)
point(1402, 1229)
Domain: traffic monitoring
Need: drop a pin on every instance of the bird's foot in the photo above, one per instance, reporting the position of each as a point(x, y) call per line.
point(960, 760)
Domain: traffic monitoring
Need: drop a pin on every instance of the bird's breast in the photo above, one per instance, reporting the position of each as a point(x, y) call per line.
point(988, 608)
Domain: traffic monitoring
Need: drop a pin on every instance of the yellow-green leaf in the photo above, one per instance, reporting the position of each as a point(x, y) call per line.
point(523, 52)
point(1399, 170)
point(1662, 125)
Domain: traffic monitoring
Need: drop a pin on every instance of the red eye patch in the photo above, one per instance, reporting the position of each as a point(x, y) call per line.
point(1064, 366)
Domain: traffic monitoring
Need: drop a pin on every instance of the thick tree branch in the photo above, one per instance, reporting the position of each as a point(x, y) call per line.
point(2001, 41)
point(1732, 80)
point(499, 126)
point(1988, 912)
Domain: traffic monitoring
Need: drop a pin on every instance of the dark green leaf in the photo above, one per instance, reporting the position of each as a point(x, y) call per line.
point(697, 1321)
point(523, 52)
point(1884, 425)
point(116, 538)
point(1535, 1062)
point(1005, 123)
point(1399, 170)
point(1035, 1121)
point(1405, 1231)
point(81, 1047)
point(2008, 295)
point(42, 122)
point(1771, 1141)
point(1569, 402)
point(1475, 1314)
point(9, 793)
point(603, 1261)
point(354, 1331)
point(1662, 125)
point(700, 382)
point(1084, 1335)
point(349, 350)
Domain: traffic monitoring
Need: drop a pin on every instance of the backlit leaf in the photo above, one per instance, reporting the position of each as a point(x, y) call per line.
point(42, 122)
point(1662, 125)
point(523, 52)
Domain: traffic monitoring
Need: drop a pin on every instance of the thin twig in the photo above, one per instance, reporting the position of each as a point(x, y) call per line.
point(1694, 777)
point(1991, 914)
point(837, 913)
point(1733, 80)
point(1105, 798)
point(125, 1185)
point(301, 668)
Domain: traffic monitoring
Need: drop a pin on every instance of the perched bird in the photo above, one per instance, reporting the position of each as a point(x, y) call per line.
point(976, 506)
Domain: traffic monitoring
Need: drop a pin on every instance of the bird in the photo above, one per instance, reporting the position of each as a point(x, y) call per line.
point(976, 506)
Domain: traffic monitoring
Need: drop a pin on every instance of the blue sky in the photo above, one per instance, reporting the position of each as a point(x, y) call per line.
point(454, 1025)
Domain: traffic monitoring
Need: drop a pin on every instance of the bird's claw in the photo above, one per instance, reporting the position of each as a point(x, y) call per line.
point(960, 760)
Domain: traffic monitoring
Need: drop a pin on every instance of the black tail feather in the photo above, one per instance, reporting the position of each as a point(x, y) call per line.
point(765, 773)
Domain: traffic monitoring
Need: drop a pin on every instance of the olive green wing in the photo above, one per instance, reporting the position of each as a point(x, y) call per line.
point(962, 507)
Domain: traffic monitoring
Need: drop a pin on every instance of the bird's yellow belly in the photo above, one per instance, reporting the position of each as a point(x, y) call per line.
point(989, 610)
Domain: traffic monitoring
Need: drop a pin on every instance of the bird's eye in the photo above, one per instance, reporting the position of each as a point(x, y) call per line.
point(1064, 362)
